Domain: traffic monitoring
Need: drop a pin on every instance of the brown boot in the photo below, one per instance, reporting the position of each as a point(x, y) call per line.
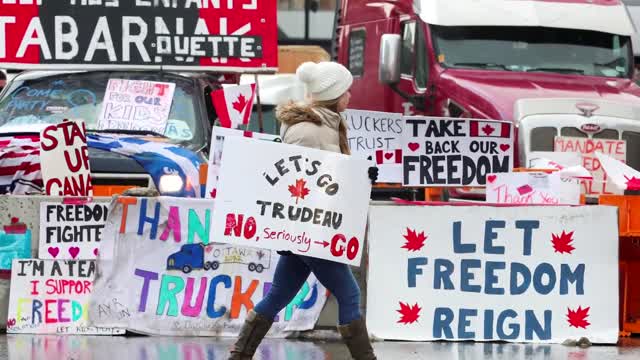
point(253, 331)
point(356, 336)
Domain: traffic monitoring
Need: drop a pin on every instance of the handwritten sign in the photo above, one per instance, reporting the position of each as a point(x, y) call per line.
point(521, 274)
point(136, 105)
point(64, 159)
point(376, 135)
point(532, 188)
point(71, 231)
point(454, 152)
point(287, 197)
point(163, 275)
point(588, 147)
point(51, 297)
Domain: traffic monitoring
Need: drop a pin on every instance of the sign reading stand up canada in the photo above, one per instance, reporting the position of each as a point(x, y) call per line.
point(287, 197)
point(143, 34)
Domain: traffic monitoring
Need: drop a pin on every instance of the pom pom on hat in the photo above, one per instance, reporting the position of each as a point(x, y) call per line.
point(325, 80)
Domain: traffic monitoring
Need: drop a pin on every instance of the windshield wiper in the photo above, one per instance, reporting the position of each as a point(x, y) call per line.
point(556, 70)
point(129, 132)
point(481, 65)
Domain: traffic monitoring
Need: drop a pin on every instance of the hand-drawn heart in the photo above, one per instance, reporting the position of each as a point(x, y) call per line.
point(414, 146)
point(491, 178)
point(53, 251)
point(74, 251)
point(95, 252)
point(388, 156)
point(505, 147)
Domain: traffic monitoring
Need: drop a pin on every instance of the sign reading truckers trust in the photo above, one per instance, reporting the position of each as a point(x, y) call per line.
point(227, 35)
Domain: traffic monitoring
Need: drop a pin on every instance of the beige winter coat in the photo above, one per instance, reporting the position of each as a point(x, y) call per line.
point(314, 127)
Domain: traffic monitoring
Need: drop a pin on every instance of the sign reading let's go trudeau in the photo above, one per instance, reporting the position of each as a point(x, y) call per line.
point(287, 197)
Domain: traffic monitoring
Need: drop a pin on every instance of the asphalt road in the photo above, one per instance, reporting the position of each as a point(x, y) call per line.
point(28, 347)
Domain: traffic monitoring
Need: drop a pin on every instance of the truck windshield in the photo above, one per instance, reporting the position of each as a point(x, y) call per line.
point(534, 49)
point(33, 101)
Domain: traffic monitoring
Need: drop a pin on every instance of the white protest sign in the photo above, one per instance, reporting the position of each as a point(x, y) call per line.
point(455, 152)
point(532, 188)
point(587, 148)
point(217, 145)
point(136, 105)
point(622, 176)
point(520, 273)
point(52, 297)
point(287, 197)
point(71, 230)
point(376, 135)
point(162, 275)
point(64, 159)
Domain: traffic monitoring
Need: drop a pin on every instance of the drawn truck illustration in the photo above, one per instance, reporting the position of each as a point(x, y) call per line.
point(210, 257)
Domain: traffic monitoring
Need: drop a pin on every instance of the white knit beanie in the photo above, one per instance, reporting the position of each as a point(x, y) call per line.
point(325, 80)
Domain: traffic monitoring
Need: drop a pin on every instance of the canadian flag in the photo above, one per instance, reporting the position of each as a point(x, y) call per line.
point(489, 129)
point(234, 104)
point(389, 156)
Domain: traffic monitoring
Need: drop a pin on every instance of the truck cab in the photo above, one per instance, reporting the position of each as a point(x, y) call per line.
point(553, 68)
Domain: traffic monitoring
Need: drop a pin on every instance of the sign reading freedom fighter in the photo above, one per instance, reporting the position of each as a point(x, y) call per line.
point(522, 274)
point(455, 152)
point(234, 35)
point(288, 197)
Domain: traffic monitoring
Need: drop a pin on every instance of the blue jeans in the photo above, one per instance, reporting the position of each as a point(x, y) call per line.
point(291, 273)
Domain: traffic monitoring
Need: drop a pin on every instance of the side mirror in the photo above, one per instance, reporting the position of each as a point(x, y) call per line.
point(389, 66)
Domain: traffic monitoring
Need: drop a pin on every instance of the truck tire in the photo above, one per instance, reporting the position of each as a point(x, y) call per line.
point(186, 269)
point(215, 265)
point(206, 265)
point(252, 267)
point(259, 268)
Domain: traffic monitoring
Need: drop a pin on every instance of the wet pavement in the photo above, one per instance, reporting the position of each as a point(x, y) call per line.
point(27, 347)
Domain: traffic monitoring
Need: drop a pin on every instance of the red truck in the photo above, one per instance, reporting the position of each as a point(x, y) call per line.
point(558, 69)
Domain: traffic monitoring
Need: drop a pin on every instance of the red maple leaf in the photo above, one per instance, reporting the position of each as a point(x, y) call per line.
point(562, 243)
point(410, 314)
point(487, 129)
point(578, 318)
point(633, 183)
point(299, 190)
point(415, 241)
point(240, 103)
point(11, 322)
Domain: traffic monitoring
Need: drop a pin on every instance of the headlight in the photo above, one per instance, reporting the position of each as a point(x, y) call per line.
point(172, 183)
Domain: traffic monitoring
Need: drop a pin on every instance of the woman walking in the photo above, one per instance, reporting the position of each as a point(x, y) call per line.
point(316, 125)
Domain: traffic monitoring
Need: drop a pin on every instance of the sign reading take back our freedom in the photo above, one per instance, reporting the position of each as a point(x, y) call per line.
point(172, 35)
point(287, 197)
point(454, 152)
point(522, 274)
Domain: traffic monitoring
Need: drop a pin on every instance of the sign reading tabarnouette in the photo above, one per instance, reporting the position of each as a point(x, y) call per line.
point(136, 105)
point(540, 274)
point(454, 152)
point(287, 197)
point(71, 230)
point(52, 297)
point(376, 135)
point(224, 36)
point(532, 188)
point(217, 144)
point(161, 274)
point(64, 159)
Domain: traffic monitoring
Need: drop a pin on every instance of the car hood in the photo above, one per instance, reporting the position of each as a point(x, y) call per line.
point(493, 94)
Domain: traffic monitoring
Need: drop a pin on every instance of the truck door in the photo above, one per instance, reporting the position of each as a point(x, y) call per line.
point(414, 69)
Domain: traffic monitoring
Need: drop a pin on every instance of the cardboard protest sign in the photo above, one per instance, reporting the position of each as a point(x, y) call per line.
point(455, 152)
point(51, 297)
point(622, 176)
point(522, 274)
point(71, 230)
point(217, 145)
point(64, 159)
point(136, 105)
point(176, 35)
point(587, 148)
point(287, 197)
point(532, 188)
point(162, 274)
point(376, 135)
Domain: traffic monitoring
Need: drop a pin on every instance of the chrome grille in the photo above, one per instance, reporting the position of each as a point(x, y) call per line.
point(607, 134)
point(542, 138)
point(572, 132)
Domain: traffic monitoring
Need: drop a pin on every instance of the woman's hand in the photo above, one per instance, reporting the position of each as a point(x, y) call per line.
point(373, 174)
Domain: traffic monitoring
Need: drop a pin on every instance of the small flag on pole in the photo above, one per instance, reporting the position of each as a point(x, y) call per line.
point(234, 105)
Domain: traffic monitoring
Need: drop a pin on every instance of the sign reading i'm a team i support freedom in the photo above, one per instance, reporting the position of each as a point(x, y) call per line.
point(522, 274)
point(454, 152)
point(287, 197)
point(172, 35)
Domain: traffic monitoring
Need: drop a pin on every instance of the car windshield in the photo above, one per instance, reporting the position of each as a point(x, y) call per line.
point(31, 102)
point(534, 49)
